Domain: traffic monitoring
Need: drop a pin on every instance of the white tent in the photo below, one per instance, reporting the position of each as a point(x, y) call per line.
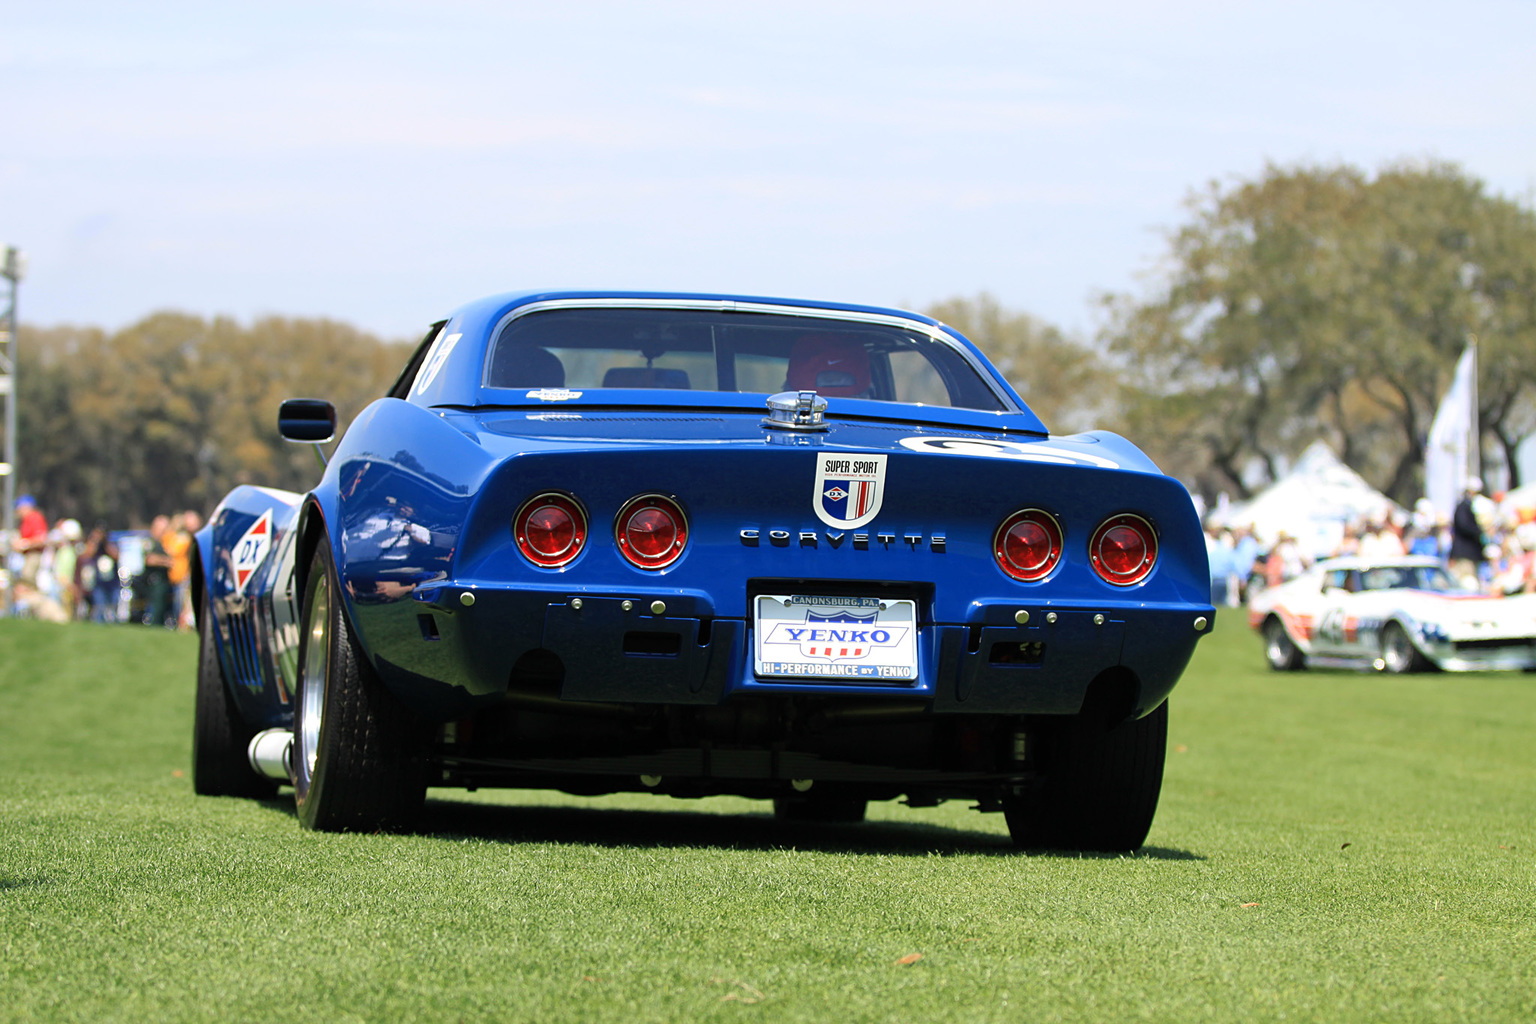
point(1313, 503)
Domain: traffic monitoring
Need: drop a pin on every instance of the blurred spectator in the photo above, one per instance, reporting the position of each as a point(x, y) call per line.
point(1512, 570)
point(1381, 541)
point(1285, 561)
point(178, 546)
point(1525, 536)
point(1466, 553)
point(157, 574)
point(34, 589)
point(31, 538)
point(1218, 552)
point(193, 523)
point(97, 572)
point(1245, 555)
point(1423, 534)
point(66, 539)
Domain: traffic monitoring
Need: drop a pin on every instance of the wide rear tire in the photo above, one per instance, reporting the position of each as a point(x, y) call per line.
point(357, 751)
point(1099, 789)
point(220, 736)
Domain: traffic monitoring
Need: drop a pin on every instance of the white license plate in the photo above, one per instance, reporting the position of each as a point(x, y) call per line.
point(855, 638)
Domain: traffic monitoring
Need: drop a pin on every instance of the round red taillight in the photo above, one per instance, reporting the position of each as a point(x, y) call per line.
point(651, 531)
point(1027, 545)
point(1123, 549)
point(550, 529)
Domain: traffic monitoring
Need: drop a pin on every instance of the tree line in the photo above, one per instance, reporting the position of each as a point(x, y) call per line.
point(171, 412)
point(1310, 302)
point(1323, 302)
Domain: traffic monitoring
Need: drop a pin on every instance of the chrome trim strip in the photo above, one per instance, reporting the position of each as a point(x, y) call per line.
point(734, 306)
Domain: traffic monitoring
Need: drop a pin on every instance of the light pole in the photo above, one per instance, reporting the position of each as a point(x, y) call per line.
point(11, 268)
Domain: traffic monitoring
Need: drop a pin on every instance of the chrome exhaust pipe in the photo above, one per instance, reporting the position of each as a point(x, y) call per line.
point(270, 753)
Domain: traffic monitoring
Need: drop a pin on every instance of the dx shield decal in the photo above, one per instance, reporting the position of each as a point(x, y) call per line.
point(849, 489)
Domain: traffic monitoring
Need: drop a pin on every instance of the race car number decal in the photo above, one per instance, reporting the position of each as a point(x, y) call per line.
point(1026, 452)
point(251, 550)
point(849, 489)
point(1339, 627)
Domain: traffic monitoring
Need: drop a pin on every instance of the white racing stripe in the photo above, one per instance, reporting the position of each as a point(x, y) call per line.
point(1021, 451)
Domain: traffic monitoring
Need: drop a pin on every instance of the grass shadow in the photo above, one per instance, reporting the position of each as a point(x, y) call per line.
point(625, 827)
point(607, 826)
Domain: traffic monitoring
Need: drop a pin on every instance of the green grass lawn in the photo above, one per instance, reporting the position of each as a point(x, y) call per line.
point(1330, 847)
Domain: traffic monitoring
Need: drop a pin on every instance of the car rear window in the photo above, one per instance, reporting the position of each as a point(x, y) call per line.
point(700, 350)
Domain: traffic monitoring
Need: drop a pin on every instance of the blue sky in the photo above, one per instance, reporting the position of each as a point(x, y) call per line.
point(382, 163)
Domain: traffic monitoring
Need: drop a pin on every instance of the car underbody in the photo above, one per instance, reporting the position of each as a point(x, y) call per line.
point(760, 747)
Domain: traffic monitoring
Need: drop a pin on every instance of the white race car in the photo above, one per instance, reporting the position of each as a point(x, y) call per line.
point(1392, 614)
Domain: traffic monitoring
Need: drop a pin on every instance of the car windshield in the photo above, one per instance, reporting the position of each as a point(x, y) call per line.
point(1414, 577)
point(755, 353)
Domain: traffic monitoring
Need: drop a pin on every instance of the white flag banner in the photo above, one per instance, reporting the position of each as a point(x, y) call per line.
point(1450, 438)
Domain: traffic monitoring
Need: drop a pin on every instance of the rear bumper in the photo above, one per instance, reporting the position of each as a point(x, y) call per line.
point(451, 650)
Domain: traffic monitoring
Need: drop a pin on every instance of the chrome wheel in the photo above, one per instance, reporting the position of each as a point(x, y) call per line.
point(1397, 653)
point(1279, 650)
point(316, 672)
point(360, 763)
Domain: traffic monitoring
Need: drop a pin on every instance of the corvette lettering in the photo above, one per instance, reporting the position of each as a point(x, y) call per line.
point(836, 539)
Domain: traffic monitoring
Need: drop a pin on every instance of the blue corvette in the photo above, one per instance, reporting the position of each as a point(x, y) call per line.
point(698, 544)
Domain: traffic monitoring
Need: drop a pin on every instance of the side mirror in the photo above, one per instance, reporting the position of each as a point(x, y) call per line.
point(307, 419)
